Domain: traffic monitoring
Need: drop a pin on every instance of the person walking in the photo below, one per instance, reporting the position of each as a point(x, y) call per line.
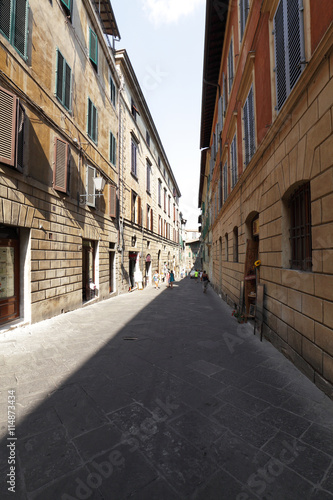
point(196, 275)
point(156, 279)
point(171, 279)
point(205, 281)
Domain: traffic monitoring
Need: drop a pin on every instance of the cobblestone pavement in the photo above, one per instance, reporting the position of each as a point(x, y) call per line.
point(159, 395)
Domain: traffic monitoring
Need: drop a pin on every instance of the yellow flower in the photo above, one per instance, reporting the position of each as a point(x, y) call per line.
point(257, 263)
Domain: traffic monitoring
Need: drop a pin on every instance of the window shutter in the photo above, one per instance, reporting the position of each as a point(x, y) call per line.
point(93, 47)
point(94, 124)
point(280, 53)
point(20, 136)
point(8, 106)
point(60, 75)
point(225, 99)
point(151, 220)
point(244, 9)
point(234, 161)
point(20, 27)
point(139, 211)
point(113, 201)
point(294, 42)
point(67, 89)
point(67, 3)
point(220, 113)
point(5, 14)
point(60, 165)
point(252, 143)
point(90, 186)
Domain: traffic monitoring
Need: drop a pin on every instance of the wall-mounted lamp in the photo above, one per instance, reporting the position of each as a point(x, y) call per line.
point(99, 184)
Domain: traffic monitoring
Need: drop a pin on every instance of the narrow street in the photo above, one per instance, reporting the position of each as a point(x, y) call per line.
point(159, 395)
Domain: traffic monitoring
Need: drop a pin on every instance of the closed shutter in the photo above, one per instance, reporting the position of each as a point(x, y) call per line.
point(61, 151)
point(60, 76)
point(90, 186)
point(67, 97)
point(246, 132)
point(20, 26)
point(94, 124)
point(8, 106)
point(113, 201)
point(20, 136)
point(5, 15)
point(67, 3)
point(252, 144)
point(294, 41)
point(280, 55)
point(234, 161)
point(244, 9)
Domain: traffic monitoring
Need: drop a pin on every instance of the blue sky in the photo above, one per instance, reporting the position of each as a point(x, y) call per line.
point(164, 40)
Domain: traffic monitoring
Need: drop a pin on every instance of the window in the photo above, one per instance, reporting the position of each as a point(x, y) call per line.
point(133, 207)
point(12, 119)
point(112, 91)
point(61, 165)
point(90, 186)
point(92, 121)
point(113, 149)
point(300, 229)
point(159, 162)
point(249, 127)
point(134, 109)
point(289, 47)
point(225, 181)
point(134, 154)
point(230, 66)
point(14, 24)
point(220, 188)
point(244, 10)
point(148, 138)
point(235, 244)
point(93, 48)
point(169, 205)
point(165, 198)
point(148, 217)
point(148, 167)
point(159, 192)
point(226, 247)
point(63, 81)
point(233, 152)
point(113, 201)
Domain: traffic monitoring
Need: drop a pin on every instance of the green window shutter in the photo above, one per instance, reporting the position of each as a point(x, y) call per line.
point(67, 3)
point(60, 76)
point(20, 136)
point(112, 149)
point(67, 85)
point(93, 47)
point(94, 124)
point(89, 121)
point(5, 17)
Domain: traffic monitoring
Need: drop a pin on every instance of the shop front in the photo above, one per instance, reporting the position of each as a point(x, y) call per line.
point(9, 274)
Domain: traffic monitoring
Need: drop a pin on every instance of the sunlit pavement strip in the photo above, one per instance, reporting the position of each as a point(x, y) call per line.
point(158, 395)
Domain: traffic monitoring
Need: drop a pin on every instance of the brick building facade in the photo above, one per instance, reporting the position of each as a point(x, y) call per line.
point(266, 183)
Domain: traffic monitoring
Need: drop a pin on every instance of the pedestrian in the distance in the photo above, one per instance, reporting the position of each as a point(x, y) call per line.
point(156, 279)
point(196, 275)
point(168, 278)
point(205, 281)
point(171, 279)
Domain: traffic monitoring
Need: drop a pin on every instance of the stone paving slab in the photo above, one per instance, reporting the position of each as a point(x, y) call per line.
point(160, 395)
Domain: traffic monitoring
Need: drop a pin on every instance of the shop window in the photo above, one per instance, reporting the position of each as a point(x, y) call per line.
point(289, 47)
point(300, 228)
point(63, 81)
point(12, 118)
point(61, 165)
point(14, 24)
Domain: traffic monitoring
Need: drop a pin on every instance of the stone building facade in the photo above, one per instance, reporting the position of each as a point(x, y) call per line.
point(266, 183)
point(59, 157)
point(149, 195)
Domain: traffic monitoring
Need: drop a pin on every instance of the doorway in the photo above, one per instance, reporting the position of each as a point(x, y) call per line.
point(9, 274)
point(88, 270)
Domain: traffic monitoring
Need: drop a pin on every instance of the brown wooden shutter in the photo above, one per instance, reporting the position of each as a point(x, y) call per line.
point(8, 106)
point(113, 201)
point(61, 150)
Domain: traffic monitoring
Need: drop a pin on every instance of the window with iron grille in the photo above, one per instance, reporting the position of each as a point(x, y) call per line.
point(289, 47)
point(134, 154)
point(249, 128)
point(63, 81)
point(12, 119)
point(230, 66)
point(112, 91)
point(92, 121)
point(233, 152)
point(113, 149)
point(300, 228)
point(93, 48)
point(61, 165)
point(14, 23)
point(243, 11)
